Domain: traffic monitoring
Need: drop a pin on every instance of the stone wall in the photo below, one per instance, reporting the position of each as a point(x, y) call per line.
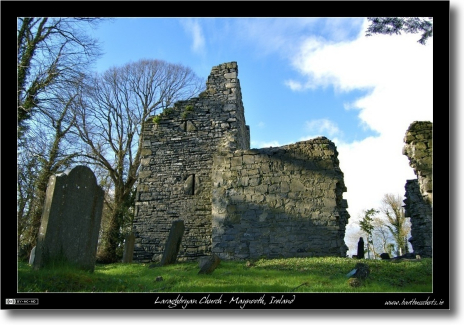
point(177, 157)
point(419, 149)
point(196, 159)
point(279, 202)
point(420, 214)
point(419, 192)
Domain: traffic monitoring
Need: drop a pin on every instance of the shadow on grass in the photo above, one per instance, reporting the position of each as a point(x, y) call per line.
point(284, 275)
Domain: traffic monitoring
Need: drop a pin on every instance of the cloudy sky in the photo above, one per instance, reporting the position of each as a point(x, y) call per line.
point(302, 78)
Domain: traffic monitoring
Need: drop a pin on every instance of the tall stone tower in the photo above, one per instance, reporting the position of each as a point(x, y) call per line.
point(175, 177)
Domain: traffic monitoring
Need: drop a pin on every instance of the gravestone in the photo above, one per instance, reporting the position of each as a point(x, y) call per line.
point(32, 257)
point(128, 248)
point(385, 256)
point(360, 248)
point(173, 243)
point(71, 220)
point(362, 271)
point(208, 264)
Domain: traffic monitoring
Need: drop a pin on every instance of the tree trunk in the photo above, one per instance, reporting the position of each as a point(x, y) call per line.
point(112, 237)
point(39, 204)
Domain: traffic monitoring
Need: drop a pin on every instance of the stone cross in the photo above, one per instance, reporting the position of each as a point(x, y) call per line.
point(71, 220)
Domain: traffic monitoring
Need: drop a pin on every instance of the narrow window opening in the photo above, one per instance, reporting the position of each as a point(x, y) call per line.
point(193, 184)
point(189, 185)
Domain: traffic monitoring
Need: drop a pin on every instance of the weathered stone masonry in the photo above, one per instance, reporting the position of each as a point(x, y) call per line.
point(279, 202)
point(235, 202)
point(419, 192)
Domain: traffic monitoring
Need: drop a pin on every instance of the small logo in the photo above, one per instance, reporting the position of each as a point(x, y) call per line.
point(22, 301)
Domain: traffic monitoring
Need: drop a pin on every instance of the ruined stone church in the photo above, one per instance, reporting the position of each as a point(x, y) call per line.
point(235, 202)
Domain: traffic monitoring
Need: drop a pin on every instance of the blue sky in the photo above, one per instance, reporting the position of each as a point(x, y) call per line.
point(302, 78)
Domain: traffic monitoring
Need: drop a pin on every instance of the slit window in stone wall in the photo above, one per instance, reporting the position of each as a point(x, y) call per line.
point(189, 185)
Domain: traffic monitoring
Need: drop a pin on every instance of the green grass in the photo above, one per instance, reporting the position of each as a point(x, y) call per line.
point(316, 274)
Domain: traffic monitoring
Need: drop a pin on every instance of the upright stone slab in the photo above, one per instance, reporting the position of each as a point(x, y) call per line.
point(128, 248)
point(360, 254)
point(71, 220)
point(32, 257)
point(173, 243)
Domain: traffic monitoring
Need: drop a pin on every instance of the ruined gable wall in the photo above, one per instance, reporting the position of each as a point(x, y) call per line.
point(279, 202)
point(175, 176)
point(419, 192)
point(419, 149)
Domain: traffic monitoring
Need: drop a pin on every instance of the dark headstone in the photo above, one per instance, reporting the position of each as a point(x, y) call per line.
point(208, 264)
point(360, 248)
point(362, 271)
point(385, 256)
point(71, 220)
point(128, 248)
point(409, 255)
point(173, 243)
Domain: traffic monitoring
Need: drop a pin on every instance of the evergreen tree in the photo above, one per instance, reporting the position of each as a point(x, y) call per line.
point(396, 25)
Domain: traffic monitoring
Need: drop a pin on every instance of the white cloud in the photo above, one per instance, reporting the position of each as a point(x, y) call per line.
point(274, 34)
point(266, 144)
point(261, 124)
point(284, 35)
point(294, 85)
point(398, 71)
point(322, 127)
point(193, 27)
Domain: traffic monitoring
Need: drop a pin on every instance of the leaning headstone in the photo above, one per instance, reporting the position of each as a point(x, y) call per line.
point(360, 248)
point(362, 271)
point(208, 264)
point(32, 257)
point(173, 243)
point(71, 220)
point(128, 253)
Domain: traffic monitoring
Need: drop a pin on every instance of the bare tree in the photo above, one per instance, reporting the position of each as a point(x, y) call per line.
point(50, 50)
point(47, 149)
point(111, 115)
point(392, 208)
point(53, 54)
point(28, 165)
point(381, 236)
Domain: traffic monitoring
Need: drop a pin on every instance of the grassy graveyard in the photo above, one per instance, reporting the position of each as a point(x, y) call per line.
point(316, 274)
